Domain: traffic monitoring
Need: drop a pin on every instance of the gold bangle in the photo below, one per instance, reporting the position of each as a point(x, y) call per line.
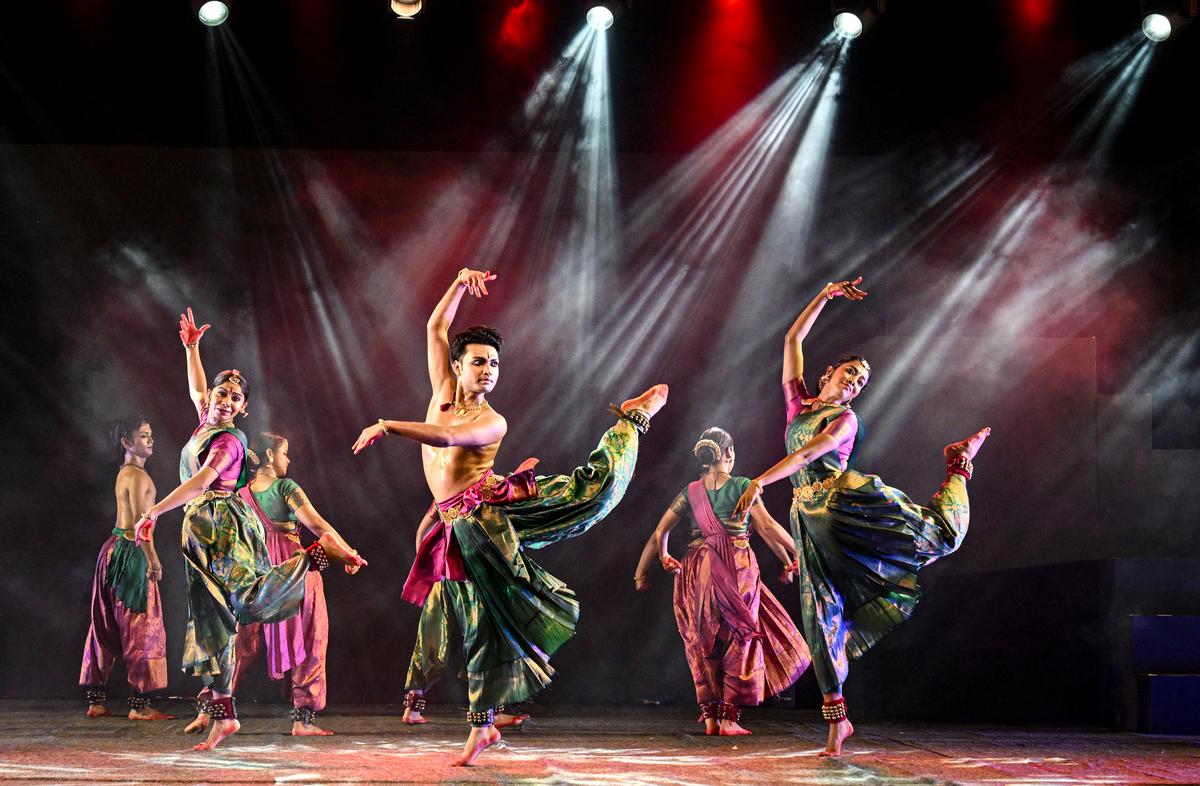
point(383, 426)
point(192, 345)
point(757, 484)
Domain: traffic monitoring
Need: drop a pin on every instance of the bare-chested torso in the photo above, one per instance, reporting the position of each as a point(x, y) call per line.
point(450, 470)
point(129, 481)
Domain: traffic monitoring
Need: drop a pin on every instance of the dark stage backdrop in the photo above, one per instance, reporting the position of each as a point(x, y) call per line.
point(317, 271)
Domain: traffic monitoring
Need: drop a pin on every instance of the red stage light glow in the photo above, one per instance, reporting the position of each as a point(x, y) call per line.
point(1035, 16)
point(522, 27)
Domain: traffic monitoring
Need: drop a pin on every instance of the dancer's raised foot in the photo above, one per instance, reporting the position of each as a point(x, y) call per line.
point(969, 446)
point(339, 551)
point(649, 402)
point(97, 711)
point(198, 725)
point(730, 728)
point(148, 713)
point(480, 739)
point(505, 720)
point(412, 717)
point(838, 732)
point(301, 729)
point(220, 729)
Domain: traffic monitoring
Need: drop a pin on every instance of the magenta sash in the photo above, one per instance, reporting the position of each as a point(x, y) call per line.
point(724, 586)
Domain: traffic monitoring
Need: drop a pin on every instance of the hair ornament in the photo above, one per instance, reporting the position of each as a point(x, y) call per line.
point(707, 443)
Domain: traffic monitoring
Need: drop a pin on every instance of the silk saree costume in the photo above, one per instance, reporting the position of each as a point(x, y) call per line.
point(229, 574)
point(741, 647)
point(296, 647)
point(512, 614)
point(860, 543)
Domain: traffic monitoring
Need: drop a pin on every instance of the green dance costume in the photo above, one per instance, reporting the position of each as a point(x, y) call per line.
point(860, 544)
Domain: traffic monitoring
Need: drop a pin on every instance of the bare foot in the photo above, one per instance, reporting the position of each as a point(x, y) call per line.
point(96, 711)
point(309, 730)
point(710, 727)
point(838, 732)
point(969, 446)
point(505, 720)
point(412, 717)
point(148, 713)
point(480, 739)
point(219, 731)
point(198, 725)
point(339, 551)
point(732, 729)
point(649, 402)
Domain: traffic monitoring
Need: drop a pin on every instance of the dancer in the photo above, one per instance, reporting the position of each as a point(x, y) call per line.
point(740, 643)
point(126, 609)
point(511, 613)
point(437, 632)
point(860, 543)
point(296, 647)
point(229, 573)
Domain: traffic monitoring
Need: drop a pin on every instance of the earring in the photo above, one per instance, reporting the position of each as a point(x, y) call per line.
point(244, 412)
point(824, 380)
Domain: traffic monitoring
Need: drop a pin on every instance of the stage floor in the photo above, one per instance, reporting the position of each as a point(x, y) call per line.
point(52, 742)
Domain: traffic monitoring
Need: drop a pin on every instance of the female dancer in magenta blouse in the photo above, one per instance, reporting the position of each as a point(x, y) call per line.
point(860, 543)
point(229, 573)
point(740, 643)
point(296, 647)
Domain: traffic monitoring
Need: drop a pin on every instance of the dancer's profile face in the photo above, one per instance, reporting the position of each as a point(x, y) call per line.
point(141, 442)
point(225, 401)
point(478, 369)
point(847, 381)
point(280, 460)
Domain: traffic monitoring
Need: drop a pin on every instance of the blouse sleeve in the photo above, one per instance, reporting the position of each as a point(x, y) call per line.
point(681, 507)
point(224, 451)
point(794, 393)
point(293, 495)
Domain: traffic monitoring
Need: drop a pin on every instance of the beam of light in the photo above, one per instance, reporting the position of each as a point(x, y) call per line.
point(600, 18)
point(213, 13)
point(1040, 250)
point(847, 25)
point(1156, 27)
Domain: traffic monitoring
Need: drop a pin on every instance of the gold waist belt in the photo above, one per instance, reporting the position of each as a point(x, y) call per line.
point(208, 496)
point(809, 492)
point(740, 541)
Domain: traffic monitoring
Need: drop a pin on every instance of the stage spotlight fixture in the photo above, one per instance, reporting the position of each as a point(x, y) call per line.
point(406, 9)
point(1163, 18)
point(600, 17)
point(851, 18)
point(213, 13)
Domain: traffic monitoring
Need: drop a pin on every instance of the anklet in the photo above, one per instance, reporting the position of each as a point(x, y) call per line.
point(834, 711)
point(729, 712)
point(221, 709)
point(96, 695)
point(414, 701)
point(480, 720)
point(318, 559)
point(710, 711)
point(960, 465)
point(639, 419)
point(137, 702)
point(304, 715)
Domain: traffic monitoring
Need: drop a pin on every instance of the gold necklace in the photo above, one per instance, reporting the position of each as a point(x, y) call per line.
point(462, 408)
point(135, 466)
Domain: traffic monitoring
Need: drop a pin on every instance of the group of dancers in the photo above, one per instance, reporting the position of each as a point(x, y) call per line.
point(855, 547)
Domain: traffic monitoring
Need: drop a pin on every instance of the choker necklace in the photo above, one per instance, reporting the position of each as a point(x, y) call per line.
point(462, 408)
point(820, 402)
point(135, 466)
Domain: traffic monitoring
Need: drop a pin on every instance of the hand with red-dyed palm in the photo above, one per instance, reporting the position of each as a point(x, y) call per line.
point(189, 334)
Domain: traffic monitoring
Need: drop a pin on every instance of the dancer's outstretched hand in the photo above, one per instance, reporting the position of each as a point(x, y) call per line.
point(476, 280)
point(789, 571)
point(369, 436)
point(747, 500)
point(143, 530)
point(670, 564)
point(188, 332)
point(846, 289)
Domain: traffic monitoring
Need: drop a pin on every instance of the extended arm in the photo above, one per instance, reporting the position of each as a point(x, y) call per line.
point(190, 335)
point(841, 430)
point(437, 329)
point(662, 534)
point(184, 493)
point(487, 430)
point(793, 355)
point(141, 494)
point(641, 576)
point(307, 515)
point(776, 538)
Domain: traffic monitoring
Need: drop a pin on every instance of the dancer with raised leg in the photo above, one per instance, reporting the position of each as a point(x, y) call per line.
point(126, 608)
point(229, 573)
point(860, 542)
point(740, 643)
point(512, 614)
point(437, 635)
